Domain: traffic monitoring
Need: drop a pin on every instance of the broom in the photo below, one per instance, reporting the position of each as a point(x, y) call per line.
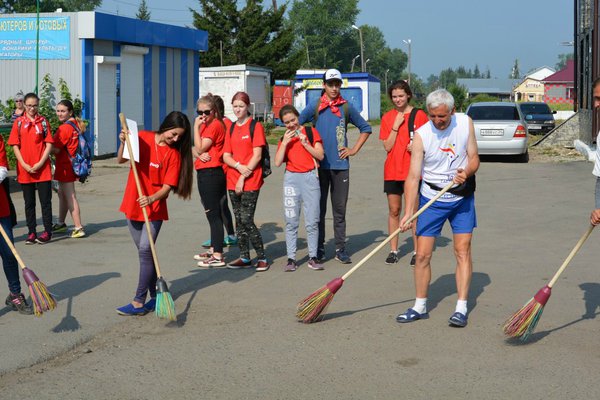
point(40, 296)
point(310, 309)
point(165, 307)
point(523, 322)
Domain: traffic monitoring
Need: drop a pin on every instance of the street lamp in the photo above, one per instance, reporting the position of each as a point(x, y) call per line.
point(408, 42)
point(363, 63)
point(365, 67)
point(386, 81)
point(353, 60)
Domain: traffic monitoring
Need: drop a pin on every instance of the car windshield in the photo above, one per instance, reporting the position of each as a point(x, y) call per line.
point(535, 109)
point(493, 113)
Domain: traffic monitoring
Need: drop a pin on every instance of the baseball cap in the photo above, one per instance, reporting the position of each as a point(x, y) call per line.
point(332, 74)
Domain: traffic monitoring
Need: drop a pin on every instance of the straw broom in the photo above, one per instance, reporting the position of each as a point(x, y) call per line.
point(165, 306)
point(40, 296)
point(523, 322)
point(311, 308)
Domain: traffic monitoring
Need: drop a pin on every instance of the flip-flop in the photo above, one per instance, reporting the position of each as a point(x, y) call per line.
point(458, 319)
point(410, 316)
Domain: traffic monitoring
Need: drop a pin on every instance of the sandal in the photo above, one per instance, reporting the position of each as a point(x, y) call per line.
point(458, 319)
point(410, 316)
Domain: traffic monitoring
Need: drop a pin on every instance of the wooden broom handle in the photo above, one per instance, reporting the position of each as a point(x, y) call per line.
point(140, 193)
point(397, 231)
point(12, 247)
point(571, 255)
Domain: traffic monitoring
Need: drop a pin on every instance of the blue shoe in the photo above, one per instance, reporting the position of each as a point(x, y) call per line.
point(129, 309)
point(206, 244)
point(458, 319)
point(342, 256)
point(150, 305)
point(410, 315)
point(230, 241)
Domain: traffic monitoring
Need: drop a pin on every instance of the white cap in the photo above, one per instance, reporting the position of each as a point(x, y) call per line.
point(331, 74)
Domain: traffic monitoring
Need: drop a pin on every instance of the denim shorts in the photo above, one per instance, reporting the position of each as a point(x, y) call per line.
point(461, 215)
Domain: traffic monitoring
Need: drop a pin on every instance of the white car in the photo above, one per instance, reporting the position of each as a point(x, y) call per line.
point(500, 128)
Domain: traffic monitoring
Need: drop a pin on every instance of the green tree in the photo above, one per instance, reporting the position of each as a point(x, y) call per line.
point(514, 72)
point(143, 12)
point(251, 35)
point(562, 61)
point(29, 6)
point(459, 93)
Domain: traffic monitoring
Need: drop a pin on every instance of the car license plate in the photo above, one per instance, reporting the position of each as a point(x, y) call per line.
point(532, 126)
point(491, 132)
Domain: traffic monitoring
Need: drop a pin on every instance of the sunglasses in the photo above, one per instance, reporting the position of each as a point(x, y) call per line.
point(18, 101)
point(203, 112)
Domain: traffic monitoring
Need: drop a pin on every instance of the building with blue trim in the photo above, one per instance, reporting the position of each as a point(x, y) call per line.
point(114, 64)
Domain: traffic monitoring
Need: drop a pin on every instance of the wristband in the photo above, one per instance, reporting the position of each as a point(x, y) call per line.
point(395, 130)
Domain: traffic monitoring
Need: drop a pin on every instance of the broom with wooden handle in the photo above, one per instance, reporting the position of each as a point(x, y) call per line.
point(522, 323)
point(165, 306)
point(311, 308)
point(40, 296)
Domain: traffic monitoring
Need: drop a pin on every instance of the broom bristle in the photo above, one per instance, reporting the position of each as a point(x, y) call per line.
point(523, 322)
point(165, 306)
point(310, 309)
point(41, 298)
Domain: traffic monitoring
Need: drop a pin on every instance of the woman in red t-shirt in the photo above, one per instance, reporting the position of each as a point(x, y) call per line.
point(397, 142)
point(165, 165)
point(66, 141)
point(242, 153)
point(209, 136)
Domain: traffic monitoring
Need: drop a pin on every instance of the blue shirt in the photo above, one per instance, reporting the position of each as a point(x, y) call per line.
point(329, 125)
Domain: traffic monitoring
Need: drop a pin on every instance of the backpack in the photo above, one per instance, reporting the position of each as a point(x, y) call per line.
point(265, 159)
point(44, 128)
point(82, 160)
point(411, 123)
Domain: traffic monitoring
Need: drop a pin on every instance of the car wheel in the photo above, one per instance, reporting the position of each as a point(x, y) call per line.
point(523, 158)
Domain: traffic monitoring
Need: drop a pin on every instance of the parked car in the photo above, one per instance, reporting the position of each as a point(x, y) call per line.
point(539, 117)
point(499, 129)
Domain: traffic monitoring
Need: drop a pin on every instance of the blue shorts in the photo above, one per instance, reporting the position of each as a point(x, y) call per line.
point(461, 215)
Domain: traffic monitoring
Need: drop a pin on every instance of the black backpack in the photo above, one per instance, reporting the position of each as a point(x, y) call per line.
point(411, 123)
point(265, 159)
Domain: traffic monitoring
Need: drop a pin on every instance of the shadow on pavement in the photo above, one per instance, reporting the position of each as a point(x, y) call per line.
point(346, 313)
point(445, 286)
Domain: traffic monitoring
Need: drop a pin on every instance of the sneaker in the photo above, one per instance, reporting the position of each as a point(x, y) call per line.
point(230, 241)
point(315, 264)
point(212, 262)
point(203, 256)
point(59, 228)
point(291, 266)
point(31, 238)
point(129, 309)
point(239, 264)
point(150, 305)
point(44, 238)
point(206, 244)
point(342, 256)
point(392, 258)
point(78, 233)
point(262, 265)
point(413, 260)
point(18, 303)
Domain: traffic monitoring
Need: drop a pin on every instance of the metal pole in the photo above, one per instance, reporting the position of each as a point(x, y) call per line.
point(362, 51)
point(37, 46)
point(386, 80)
point(221, 51)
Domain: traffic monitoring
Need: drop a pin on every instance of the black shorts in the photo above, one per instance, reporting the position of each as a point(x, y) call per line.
point(393, 187)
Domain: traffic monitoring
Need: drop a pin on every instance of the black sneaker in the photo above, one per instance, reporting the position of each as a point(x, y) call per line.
point(413, 260)
point(392, 258)
point(18, 303)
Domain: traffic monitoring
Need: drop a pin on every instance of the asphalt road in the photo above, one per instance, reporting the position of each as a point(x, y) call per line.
point(237, 338)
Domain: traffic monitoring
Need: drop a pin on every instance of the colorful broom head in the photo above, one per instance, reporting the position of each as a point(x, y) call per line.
point(40, 296)
point(311, 308)
point(523, 322)
point(165, 306)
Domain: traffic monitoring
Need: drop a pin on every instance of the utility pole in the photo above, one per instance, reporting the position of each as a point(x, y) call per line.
point(408, 42)
point(363, 64)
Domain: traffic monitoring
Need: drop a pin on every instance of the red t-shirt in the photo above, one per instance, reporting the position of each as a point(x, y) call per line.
point(158, 165)
point(66, 138)
point(241, 149)
point(4, 208)
point(228, 124)
point(215, 131)
point(297, 158)
point(397, 162)
point(31, 140)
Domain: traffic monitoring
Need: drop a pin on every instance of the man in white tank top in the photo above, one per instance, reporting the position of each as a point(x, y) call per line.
point(444, 151)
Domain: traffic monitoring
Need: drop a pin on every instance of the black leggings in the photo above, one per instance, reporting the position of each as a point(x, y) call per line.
point(45, 195)
point(213, 193)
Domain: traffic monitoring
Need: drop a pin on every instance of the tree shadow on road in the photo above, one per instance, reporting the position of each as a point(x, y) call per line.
point(445, 286)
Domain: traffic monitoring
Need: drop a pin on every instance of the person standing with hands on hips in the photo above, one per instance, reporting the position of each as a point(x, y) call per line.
point(300, 148)
point(330, 115)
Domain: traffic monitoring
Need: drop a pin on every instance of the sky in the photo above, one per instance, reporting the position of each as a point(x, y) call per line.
point(443, 33)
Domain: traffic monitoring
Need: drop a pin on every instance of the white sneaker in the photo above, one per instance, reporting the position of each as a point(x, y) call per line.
point(212, 262)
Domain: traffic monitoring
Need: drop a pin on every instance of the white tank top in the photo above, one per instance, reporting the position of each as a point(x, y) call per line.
point(444, 152)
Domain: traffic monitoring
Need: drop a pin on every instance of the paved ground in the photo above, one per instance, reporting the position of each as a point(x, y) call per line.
point(236, 336)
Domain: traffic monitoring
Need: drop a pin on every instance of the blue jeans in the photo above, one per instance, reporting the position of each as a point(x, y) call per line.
point(147, 277)
point(9, 262)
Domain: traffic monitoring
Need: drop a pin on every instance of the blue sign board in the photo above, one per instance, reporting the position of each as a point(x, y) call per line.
point(18, 38)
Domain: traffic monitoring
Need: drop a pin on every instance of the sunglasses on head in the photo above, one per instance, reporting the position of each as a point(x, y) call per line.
point(203, 112)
